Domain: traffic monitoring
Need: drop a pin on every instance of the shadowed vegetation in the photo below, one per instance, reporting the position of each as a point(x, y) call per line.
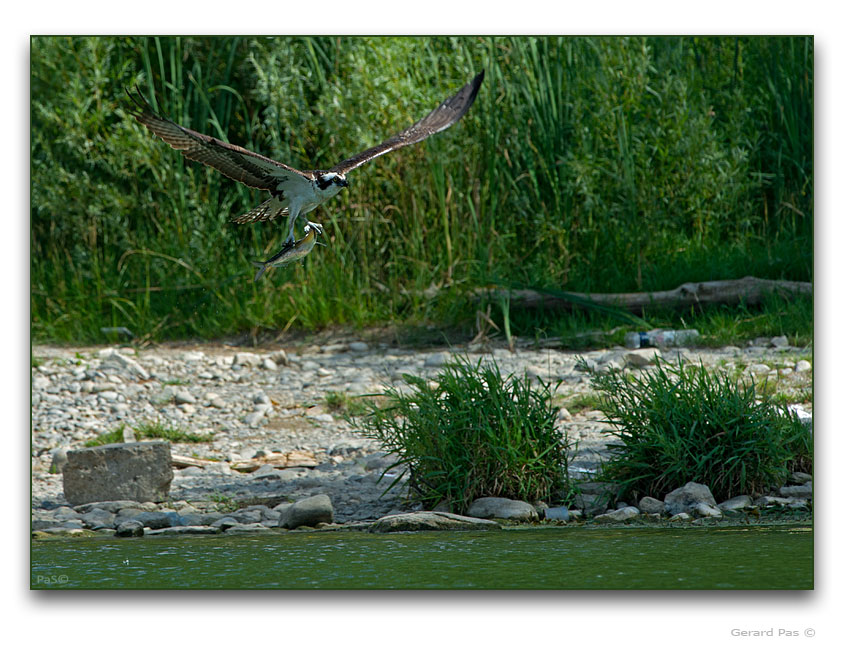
point(586, 164)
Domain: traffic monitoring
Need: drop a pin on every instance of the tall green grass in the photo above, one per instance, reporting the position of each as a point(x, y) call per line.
point(681, 423)
point(472, 433)
point(588, 164)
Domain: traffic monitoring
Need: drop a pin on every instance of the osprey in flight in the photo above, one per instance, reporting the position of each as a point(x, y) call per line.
point(294, 192)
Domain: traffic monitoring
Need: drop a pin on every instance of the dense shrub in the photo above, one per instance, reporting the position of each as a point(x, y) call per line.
point(472, 433)
point(682, 423)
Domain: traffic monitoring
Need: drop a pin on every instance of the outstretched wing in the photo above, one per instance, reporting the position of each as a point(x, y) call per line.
point(233, 161)
point(446, 114)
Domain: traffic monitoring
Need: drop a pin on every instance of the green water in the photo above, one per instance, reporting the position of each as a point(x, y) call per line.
point(556, 558)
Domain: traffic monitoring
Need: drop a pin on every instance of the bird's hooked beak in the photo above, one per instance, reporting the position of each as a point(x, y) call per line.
point(343, 182)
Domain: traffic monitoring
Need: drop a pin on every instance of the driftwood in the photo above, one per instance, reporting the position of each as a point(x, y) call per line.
point(292, 459)
point(749, 290)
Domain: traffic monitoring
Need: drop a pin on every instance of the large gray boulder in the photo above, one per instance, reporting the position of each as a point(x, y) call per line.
point(685, 499)
point(140, 472)
point(307, 512)
point(503, 509)
point(430, 521)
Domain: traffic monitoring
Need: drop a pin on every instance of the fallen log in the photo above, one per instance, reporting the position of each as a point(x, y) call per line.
point(292, 459)
point(748, 290)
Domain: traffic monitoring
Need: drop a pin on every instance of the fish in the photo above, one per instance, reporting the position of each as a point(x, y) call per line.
point(292, 252)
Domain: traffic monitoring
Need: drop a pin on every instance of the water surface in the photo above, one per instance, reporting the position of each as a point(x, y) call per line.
point(547, 558)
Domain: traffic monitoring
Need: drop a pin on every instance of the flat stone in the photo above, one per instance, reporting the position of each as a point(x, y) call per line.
point(772, 500)
point(248, 529)
point(136, 471)
point(98, 519)
point(684, 499)
point(641, 357)
point(736, 503)
point(431, 521)
point(158, 519)
point(358, 346)
point(799, 478)
point(502, 508)
point(183, 530)
point(796, 491)
point(619, 515)
point(680, 517)
point(705, 510)
point(62, 532)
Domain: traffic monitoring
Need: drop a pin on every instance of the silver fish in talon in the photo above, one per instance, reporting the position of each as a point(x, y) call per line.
point(292, 252)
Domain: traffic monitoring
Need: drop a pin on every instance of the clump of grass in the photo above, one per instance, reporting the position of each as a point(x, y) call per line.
point(472, 433)
point(113, 436)
point(149, 430)
point(580, 402)
point(681, 423)
point(342, 403)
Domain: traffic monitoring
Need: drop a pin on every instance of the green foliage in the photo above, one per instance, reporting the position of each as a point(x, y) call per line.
point(472, 433)
point(149, 430)
point(677, 424)
point(341, 402)
point(586, 164)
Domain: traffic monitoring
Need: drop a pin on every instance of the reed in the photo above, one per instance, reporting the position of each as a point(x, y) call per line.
point(587, 164)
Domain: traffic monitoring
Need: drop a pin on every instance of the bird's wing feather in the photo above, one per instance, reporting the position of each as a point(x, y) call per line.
point(233, 161)
point(446, 114)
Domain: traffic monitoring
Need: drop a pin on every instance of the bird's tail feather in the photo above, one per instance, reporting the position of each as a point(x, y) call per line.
point(264, 212)
point(262, 266)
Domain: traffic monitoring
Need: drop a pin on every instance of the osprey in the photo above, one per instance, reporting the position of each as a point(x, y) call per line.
point(294, 192)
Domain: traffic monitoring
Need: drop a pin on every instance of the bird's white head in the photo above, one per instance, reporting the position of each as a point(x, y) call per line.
point(330, 183)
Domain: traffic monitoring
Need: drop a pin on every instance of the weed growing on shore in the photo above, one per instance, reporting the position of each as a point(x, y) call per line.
point(149, 430)
point(472, 433)
point(681, 423)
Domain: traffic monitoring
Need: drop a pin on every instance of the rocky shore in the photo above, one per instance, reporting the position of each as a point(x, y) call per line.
point(256, 407)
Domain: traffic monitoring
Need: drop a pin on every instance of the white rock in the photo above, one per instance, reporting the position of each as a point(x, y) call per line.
point(247, 359)
point(802, 366)
point(358, 346)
